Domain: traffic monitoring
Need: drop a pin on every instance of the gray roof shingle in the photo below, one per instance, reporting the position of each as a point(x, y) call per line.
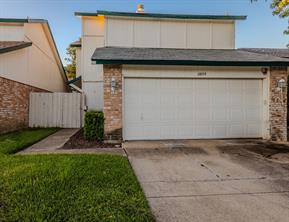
point(169, 56)
point(279, 52)
point(8, 46)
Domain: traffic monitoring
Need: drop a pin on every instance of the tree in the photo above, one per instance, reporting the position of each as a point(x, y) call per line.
point(71, 60)
point(280, 8)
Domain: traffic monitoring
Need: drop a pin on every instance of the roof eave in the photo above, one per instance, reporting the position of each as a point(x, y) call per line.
point(85, 14)
point(158, 15)
point(189, 63)
point(13, 48)
point(17, 20)
point(171, 16)
point(75, 45)
point(73, 80)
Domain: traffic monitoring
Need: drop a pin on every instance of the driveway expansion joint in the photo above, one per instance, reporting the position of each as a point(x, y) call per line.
point(224, 194)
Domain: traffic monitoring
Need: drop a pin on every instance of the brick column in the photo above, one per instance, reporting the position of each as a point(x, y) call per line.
point(278, 104)
point(112, 103)
point(14, 104)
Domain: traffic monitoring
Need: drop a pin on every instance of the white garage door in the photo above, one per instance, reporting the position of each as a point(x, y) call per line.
point(192, 108)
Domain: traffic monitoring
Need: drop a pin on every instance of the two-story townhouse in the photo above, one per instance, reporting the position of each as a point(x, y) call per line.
point(169, 76)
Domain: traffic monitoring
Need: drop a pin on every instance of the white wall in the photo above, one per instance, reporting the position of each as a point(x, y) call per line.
point(92, 75)
point(162, 71)
point(78, 62)
point(35, 65)
point(11, 32)
point(165, 33)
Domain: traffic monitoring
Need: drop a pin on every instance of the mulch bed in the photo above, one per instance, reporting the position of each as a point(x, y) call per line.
point(77, 141)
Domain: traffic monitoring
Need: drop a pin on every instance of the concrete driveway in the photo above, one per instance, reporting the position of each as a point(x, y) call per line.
point(213, 180)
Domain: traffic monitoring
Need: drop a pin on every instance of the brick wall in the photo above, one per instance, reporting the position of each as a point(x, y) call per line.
point(278, 104)
point(112, 103)
point(14, 105)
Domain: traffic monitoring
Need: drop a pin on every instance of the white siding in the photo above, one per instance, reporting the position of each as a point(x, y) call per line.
point(146, 34)
point(92, 75)
point(93, 95)
point(78, 62)
point(165, 33)
point(173, 35)
point(35, 65)
point(221, 36)
point(93, 26)
point(191, 72)
point(91, 71)
point(199, 35)
point(34, 33)
point(119, 32)
point(11, 32)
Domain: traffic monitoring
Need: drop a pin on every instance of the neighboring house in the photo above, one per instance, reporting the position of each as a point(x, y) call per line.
point(29, 62)
point(167, 76)
point(75, 83)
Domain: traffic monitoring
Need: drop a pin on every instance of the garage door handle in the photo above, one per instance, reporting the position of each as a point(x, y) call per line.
point(141, 116)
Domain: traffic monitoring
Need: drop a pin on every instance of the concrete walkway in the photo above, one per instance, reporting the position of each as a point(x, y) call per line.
point(53, 144)
point(211, 181)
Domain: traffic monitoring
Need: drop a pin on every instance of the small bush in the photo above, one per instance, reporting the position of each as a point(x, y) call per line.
point(94, 125)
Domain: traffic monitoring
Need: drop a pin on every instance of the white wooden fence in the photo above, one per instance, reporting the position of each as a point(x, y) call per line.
point(55, 110)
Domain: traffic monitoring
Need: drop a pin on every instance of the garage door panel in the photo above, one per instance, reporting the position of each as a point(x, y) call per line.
point(253, 115)
point(202, 99)
point(169, 132)
point(134, 132)
point(237, 115)
point(192, 109)
point(202, 131)
point(236, 131)
point(220, 114)
point(202, 114)
point(186, 114)
point(151, 132)
point(185, 131)
point(253, 130)
point(219, 131)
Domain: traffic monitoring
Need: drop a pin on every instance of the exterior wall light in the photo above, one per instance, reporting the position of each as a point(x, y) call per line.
point(112, 86)
point(264, 70)
point(281, 83)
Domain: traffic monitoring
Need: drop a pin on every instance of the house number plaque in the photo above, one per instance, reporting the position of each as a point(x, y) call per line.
point(202, 73)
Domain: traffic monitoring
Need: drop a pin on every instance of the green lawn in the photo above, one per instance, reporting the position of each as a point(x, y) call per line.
point(16, 141)
point(69, 188)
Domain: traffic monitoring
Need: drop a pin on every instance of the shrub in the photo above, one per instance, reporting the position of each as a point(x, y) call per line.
point(94, 125)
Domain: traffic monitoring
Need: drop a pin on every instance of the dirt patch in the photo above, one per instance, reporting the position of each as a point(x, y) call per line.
point(277, 152)
point(77, 141)
point(269, 149)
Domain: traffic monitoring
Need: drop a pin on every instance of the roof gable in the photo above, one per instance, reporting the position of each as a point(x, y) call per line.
point(47, 29)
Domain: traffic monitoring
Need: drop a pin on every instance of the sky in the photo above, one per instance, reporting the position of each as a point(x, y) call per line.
point(261, 29)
